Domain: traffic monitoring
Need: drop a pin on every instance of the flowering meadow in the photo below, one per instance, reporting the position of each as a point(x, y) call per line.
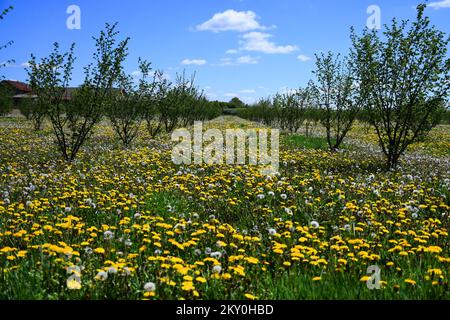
point(126, 223)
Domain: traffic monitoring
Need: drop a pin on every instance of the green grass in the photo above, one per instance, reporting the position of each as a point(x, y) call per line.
point(302, 142)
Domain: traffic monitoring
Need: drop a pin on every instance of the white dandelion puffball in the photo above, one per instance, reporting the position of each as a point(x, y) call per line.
point(150, 287)
point(108, 235)
point(217, 269)
point(272, 232)
point(315, 224)
point(102, 276)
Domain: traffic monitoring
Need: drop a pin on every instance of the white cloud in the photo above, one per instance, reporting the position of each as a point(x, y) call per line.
point(259, 42)
point(287, 90)
point(232, 51)
point(248, 100)
point(136, 73)
point(303, 58)
point(225, 62)
point(247, 60)
point(439, 4)
point(11, 64)
point(211, 96)
point(197, 62)
point(231, 20)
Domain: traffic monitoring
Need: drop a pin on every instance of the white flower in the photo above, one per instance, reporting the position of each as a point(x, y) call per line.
point(216, 255)
point(126, 271)
point(283, 196)
point(271, 193)
point(272, 232)
point(149, 287)
point(315, 224)
point(102, 276)
point(347, 227)
point(108, 235)
point(88, 250)
point(260, 196)
point(217, 269)
point(208, 250)
point(195, 216)
point(414, 216)
point(67, 209)
point(288, 211)
point(75, 270)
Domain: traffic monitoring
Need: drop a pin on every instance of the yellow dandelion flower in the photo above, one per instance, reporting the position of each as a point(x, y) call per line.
point(99, 250)
point(200, 279)
point(73, 284)
point(249, 296)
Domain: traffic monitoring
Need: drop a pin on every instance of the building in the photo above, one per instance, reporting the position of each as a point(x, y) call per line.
point(19, 91)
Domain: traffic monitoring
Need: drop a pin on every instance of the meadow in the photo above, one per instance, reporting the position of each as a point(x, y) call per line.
point(126, 223)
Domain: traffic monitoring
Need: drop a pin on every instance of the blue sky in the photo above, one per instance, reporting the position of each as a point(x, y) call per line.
point(245, 48)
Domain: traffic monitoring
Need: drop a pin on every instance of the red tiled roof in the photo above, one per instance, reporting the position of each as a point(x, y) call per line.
point(18, 85)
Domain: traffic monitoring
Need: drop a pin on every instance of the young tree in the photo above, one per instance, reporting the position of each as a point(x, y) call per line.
point(290, 108)
point(336, 94)
point(404, 79)
point(236, 103)
point(181, 103)
point(48, 80)
point(6, 100)
point(154, 103)
point(126, 109)
point(73, 118)
point(3, 13)
point(34, 111)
